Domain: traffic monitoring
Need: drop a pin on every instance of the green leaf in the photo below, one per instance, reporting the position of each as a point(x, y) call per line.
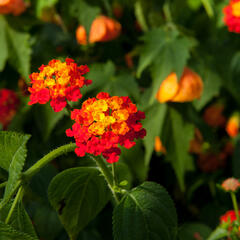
point(100, 74)
point(211, 89)
point(236, 159)
point(85, 12)
point(13, 153)
point(134, 158)
point(19, 51)
point(3, 43)
point(123, 175)
point(19, 220)
point(145, 213)
point(105, 79)
point(9, 233)
point(43, 4)
point(47, 119)
point(219, 233)
point(166, 52)
point(78, 195)
point(153, 124)
point(208, 7)
point(177, 145)
point(189, 230)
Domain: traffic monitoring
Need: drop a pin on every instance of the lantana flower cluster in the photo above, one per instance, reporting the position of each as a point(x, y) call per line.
point(58, 82)
point(9, 103)
point(103, 123)
point(232, 16)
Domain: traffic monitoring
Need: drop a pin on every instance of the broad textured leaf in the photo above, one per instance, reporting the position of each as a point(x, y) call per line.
point(3, 43)
point(47, 119)
point(153, 124)
point(145, 213)
point(134, 158)
point(99, 74)
point(19, 51)
point(13, 153)
point(166, 52)
point(9, 233)
point(85, 12)
point(105, 79)
point(19, 220)
point(212, 84)
point(78, 195)
point(190, 230)
point(219, 233)
point(177, 145)
point(45, 217)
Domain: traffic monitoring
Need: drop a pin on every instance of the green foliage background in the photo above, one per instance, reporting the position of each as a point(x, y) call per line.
point(162, 37)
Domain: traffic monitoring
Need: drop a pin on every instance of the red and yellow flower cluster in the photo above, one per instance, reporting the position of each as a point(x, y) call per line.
point(228, 217)
point(58, 82)
point(9, 103)
point(232, 16)
point(103, 123)
point(15, 7)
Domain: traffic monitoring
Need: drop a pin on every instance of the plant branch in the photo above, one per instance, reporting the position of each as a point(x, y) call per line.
point(106, 173)
point(48, 158)
point(17, 198)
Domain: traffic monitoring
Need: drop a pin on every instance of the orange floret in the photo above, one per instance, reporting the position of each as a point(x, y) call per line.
point(188, 88)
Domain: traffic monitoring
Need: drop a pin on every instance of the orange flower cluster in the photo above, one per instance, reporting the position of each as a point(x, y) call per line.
point(9, 103)
point(232, 16)
point(104, 122)
point(188, 88)
point(103, 29)
point(213, 115)
point(15, 7)
point(230, 184)
point(232, 126)
point(59, 82)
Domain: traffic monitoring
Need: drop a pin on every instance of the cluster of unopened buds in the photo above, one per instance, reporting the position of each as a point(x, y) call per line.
point(102, 124)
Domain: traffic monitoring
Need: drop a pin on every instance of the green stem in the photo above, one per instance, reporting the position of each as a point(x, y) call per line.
point(106, 173)
point(167, 11)
point(17, 198)
point(113, 173)
point(235, 205)
point(140, 16)
point(48, 158)
point(2, 185)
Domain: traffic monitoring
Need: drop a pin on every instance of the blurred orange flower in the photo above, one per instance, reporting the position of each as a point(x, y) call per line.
point(159, 146)
point(103, 29)
point(81, 35)
point(232, 126)
point(15, 7)
point(188, 88)
point(230, 184)
point(196, 143)
point(213, 115)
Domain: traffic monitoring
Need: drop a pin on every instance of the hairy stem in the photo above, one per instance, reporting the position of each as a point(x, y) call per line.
point(106, 173)
point(48, 158)
point(17, 198)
